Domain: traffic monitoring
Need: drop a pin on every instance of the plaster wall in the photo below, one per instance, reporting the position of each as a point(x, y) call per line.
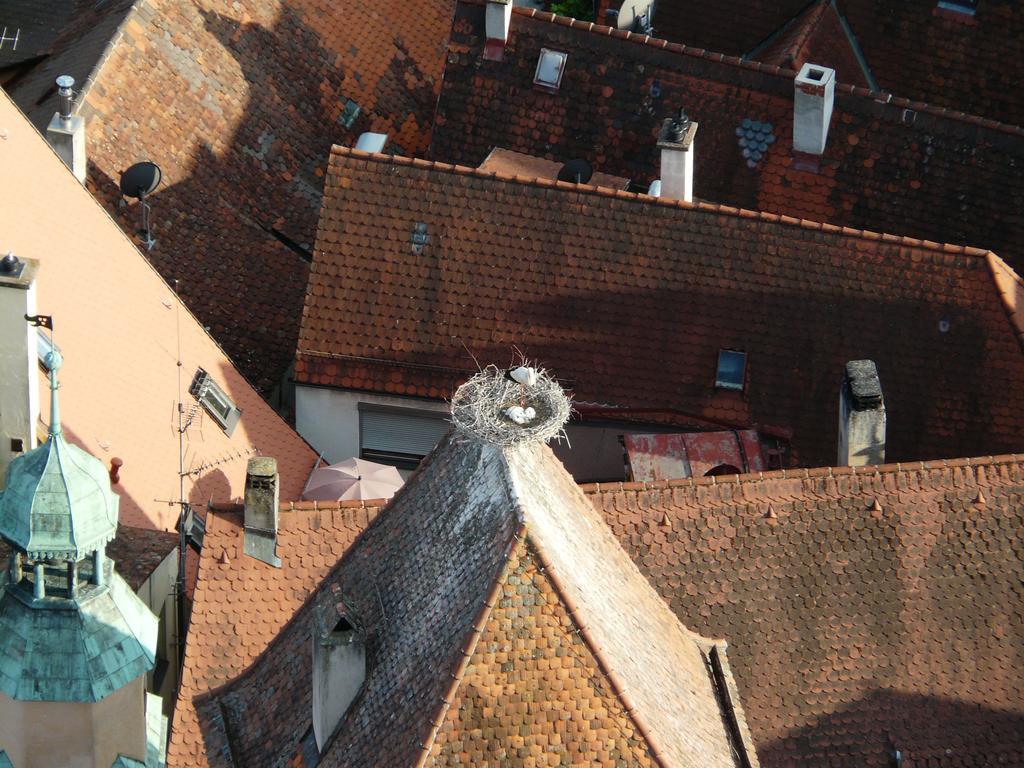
point(19, 398)
point(329, 418)
point(44, 734)
point(339, 669)
point(157, 592)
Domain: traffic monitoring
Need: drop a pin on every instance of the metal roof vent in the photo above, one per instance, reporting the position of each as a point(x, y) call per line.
point(577, 171)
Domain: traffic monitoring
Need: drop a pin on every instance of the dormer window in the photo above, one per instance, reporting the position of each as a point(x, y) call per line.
point(215, 401)
point(732, 369)
point(339, 670)
point(550, 67)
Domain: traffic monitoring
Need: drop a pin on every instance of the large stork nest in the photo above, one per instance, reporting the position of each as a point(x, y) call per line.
point(480, 408)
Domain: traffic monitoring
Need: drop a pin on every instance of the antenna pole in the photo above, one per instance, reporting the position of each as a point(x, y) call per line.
point(182, 505)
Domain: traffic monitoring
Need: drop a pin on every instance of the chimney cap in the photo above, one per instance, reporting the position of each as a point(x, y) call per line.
point(65, 81)
point(262, 466)
point(677, 132)
point(11, 265)
point(864, 384)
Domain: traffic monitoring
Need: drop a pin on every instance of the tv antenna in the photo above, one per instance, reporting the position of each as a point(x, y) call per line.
point(141, 180)
point(5, 38)
point(577, 171)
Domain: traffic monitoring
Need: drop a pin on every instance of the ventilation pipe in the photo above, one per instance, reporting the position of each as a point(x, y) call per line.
point(66, 132)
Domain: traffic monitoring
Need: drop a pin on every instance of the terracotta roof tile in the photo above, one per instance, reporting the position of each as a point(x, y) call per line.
point(866, 609)
point(241, 603)
point(886, 166)
point(239, 104)
point(913, 48)
point(488, 572)
point(600, 282)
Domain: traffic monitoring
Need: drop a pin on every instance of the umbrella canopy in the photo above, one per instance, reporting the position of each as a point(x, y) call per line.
point(352, 479)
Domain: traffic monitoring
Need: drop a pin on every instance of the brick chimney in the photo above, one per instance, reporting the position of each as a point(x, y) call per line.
point(676, 143)
point(19, 384)
point(262, 499)
point(861, 416)
point(498, 21)
point(339, 669)
point(814, 93)
point(66, 132)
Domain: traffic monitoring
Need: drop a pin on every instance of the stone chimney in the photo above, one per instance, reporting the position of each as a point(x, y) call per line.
point(66, 132)
point(498, 21)
point(262, 499)
point(861, 416)
point(814, 93)
point(339, 669)
point(19, 385)
point(676, 143)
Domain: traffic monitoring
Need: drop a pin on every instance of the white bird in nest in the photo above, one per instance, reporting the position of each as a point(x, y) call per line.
point(520, 415)
point(524, 375)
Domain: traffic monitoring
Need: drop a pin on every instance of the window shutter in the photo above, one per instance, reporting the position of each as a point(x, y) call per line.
point(394, 432)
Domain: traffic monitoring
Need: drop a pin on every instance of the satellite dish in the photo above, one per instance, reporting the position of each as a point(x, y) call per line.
point(140, 180)
point(576, 171)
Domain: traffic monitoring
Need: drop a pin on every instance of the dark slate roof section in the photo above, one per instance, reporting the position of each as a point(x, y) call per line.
point(890, 165)
point(866, 611)
point(605, 282)
point(417, 582)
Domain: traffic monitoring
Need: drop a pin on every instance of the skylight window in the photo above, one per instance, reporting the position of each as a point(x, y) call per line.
point(967, 7)
point(550, 67)
point(215, 401)
point(732, 369)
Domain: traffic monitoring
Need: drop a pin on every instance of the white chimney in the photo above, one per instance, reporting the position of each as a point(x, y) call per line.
point(66, 132)
point(262, 498)
point(498, 20)
point(861, 416)
point(339, 669)
point(676, 143)
point(814, 93)
point(19, 384)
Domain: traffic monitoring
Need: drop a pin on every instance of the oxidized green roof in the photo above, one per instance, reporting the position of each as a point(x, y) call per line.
point(83, 650)
point(57, 502)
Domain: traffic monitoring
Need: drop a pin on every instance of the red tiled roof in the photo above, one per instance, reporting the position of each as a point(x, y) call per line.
point(866, 610)
point(484, 543)
point(600, 283)
point(505, 162)
point(239, 104)
point(816, 36)
point(242, 603)
point(890, 165)
point(914, 48)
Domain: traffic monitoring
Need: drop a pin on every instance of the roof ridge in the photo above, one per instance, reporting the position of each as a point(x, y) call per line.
point(476, 630)
point(805, 475)
point(886, 97)
point(807, 21)
point(713, 208)
point(1010, 287)
point(108, 51)
point(553, 575)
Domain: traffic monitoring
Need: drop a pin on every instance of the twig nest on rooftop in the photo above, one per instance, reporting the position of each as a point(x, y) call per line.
point(501, 409)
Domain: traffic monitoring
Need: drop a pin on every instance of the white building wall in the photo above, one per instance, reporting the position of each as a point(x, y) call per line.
point(329, 418)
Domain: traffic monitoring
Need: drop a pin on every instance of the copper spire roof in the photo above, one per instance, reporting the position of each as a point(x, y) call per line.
point(57, 502)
